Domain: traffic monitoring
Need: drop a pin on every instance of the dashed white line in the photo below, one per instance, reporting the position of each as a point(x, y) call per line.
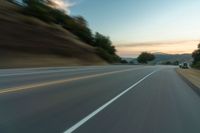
point(84, 120)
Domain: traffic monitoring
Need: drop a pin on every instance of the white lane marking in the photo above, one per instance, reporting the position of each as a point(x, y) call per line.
point(45, 72)
point(84, 120)
point(36, 85)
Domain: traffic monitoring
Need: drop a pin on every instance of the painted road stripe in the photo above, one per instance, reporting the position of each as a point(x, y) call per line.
point(46, 72)
point(31, 86)
point(84, 120)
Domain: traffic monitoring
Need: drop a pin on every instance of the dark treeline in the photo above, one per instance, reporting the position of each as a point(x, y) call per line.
point(43, 10)
point(196, 57)
point(171, 63)
point(145, 57)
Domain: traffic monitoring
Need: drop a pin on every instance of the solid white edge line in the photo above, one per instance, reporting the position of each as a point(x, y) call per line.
point(84, 120)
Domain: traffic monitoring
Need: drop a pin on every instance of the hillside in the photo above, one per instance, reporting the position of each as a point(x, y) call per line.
point(29, 42)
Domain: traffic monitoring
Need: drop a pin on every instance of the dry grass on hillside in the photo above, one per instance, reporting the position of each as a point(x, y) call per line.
point(34, 41)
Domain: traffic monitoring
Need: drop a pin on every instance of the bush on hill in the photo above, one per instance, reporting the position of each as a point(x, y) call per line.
point(196, 57)
point(43, 10)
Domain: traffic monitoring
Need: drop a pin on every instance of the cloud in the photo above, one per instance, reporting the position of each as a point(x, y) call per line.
point(63, 5)
point(169, 47)
point(149, 44)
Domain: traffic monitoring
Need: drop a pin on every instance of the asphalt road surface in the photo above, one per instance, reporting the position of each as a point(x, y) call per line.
point(107, 99)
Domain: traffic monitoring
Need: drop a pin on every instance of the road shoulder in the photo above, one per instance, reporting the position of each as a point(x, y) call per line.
point(191, 77)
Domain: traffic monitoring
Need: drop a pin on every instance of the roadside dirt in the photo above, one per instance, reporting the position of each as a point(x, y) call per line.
point(192, 75)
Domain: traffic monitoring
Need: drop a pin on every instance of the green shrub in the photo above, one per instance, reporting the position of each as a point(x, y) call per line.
point(38, 9)
point(108, 57)
point(196, 65)
point(196, 55)
point(104, 43)
point(145, 57)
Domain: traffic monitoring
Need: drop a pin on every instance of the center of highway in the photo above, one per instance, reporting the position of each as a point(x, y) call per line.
point(84, 120)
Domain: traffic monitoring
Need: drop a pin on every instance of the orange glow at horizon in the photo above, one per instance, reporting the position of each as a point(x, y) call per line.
point(168, 48)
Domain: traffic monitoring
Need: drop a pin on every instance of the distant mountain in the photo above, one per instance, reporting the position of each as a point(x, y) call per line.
point(128, 59)
point(162, 58)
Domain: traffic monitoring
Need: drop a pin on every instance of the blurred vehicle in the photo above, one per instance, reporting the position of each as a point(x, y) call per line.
point(184, 65)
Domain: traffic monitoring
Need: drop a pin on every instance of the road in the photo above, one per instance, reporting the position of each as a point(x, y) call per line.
point(107, 99)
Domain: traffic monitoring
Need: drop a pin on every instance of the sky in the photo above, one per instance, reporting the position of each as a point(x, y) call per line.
point(168, 26)
point(134, 26)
